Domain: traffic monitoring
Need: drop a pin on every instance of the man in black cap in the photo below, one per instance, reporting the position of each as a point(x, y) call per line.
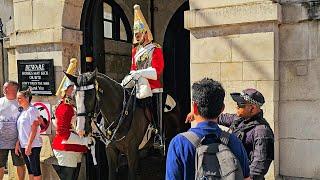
point(252, 129)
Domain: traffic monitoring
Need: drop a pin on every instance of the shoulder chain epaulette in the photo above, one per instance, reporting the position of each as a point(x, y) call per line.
point(157, 45)
point(67, 100)
point(54, 108)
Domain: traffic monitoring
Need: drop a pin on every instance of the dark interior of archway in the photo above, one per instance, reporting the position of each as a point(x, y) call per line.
point(93, 45)
point(93, 42)
point(176, 48)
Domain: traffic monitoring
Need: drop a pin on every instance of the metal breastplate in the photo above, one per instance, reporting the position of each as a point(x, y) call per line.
point(144, 61)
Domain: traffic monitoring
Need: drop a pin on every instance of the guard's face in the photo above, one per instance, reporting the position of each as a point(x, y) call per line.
point(70, 91)
point(140, 36)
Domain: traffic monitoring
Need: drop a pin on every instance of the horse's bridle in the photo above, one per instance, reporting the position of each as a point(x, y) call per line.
point(94, 113)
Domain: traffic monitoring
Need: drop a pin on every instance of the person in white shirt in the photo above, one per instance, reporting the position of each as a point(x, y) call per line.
point(29, 134)
point(8, 129)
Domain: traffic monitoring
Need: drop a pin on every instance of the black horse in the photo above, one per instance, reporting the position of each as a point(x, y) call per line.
point(96, 89)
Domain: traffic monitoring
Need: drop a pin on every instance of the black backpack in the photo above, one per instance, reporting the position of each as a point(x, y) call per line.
point(214, 161)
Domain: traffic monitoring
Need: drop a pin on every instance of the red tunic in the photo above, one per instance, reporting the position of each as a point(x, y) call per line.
point(64, 114)
point(157, 62)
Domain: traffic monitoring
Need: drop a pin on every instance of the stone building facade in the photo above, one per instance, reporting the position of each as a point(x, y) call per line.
point(6, 15)
point(269, 45)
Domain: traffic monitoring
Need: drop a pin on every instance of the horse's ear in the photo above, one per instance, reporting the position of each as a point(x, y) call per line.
point(95, 72)
point(71, 78)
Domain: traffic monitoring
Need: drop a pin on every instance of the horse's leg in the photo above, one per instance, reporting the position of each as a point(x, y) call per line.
point(133, 159)
point(112, 155)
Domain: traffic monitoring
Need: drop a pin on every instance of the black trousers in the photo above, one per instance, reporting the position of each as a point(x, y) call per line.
point(261, 177)
point(67, 173)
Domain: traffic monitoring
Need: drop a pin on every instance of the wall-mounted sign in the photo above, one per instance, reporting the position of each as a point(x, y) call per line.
point(38, 74)
point(44, 109)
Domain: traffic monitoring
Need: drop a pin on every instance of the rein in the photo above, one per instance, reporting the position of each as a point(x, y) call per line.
point(97, 111)
point(125, 111)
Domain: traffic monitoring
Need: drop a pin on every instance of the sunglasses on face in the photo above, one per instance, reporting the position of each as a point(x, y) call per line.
point(242, 105)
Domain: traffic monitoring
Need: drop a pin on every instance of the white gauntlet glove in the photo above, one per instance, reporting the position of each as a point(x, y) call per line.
point(135, 75)
point(149, 73)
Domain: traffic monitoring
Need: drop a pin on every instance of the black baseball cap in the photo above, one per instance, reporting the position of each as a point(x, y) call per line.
point(251, 96)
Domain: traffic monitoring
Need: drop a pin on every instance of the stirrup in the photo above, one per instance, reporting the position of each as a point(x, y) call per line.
point(91, 142)
point(159, 144)
point(91, 146)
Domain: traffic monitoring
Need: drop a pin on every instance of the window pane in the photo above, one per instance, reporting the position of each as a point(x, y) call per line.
point(123, 33)
point(107, 11)
point(107, 29)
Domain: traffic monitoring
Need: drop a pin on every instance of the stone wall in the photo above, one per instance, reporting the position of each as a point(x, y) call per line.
point(44, 30)
point(299, 93)
point(6, 15)
point(6, 12)
point(241, 41)
point(117, 58)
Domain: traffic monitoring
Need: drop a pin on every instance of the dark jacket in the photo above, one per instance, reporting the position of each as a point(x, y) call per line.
point(257, 138)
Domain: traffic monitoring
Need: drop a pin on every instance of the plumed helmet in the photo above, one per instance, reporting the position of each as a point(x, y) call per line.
point(140, 24)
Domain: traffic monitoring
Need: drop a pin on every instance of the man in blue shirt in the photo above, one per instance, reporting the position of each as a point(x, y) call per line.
point(208, 103)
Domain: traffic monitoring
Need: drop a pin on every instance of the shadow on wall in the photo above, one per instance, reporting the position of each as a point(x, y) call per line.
point(226, 30)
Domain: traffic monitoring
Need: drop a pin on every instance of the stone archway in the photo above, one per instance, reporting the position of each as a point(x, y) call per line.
point(163, 13)
point(105, 50)
point(176, 48)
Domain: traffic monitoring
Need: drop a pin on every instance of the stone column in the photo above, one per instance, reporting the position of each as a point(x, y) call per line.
point(299, 67)
point(1, 65)
point(236, 42)
point(45, 30)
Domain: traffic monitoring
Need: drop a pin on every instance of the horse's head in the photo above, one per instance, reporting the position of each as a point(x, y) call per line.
point(85, 100)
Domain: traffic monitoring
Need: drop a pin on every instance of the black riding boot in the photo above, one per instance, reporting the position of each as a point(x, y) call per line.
point(159, 139)
point(76, 172)
point(64, 173)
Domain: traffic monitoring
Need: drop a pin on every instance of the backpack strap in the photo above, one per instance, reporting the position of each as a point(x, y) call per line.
point(192, 137)
point(224, 137)
point(195, 140)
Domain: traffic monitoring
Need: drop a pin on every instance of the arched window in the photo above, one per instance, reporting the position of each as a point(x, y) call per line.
point(115, 23)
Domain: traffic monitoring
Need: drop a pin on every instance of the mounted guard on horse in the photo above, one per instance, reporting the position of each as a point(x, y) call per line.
point(146, 75)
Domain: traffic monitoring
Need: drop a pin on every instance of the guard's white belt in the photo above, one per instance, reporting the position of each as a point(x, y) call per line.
point(84, 88)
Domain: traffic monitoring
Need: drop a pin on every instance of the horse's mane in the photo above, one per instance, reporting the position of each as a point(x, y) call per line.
point(108, 80)
point(85, 79)
point(112, 87)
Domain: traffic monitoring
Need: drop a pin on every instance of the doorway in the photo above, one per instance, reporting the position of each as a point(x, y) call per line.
point(176, 48)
